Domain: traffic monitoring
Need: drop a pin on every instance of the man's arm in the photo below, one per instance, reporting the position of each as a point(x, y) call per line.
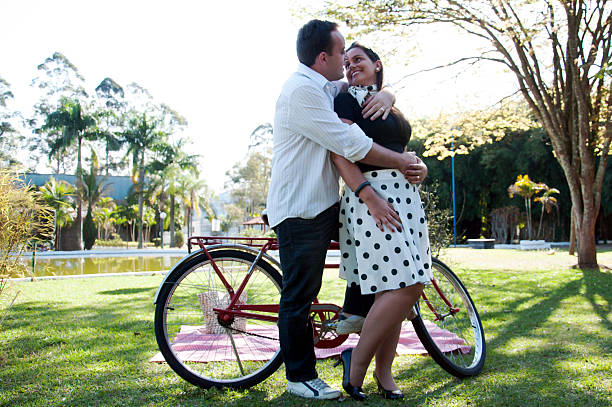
point(312, 116)
point(383, 157)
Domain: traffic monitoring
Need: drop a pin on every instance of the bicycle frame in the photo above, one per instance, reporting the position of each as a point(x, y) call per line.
point(263, 245)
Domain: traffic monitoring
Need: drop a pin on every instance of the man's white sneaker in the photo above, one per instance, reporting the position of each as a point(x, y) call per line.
point(313, 389)
point(349, 325)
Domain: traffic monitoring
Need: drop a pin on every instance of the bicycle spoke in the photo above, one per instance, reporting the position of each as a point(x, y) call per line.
point(231, 336)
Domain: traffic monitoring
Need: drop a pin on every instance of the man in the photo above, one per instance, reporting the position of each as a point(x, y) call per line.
point(302, 201)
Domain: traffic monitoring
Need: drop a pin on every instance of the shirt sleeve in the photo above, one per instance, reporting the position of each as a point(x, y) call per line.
point(312, 116)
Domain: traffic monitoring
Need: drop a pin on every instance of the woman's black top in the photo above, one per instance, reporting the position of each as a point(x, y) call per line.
point(383, 132)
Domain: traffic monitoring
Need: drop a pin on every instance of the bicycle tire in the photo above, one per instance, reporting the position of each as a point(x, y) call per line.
point(194, 342)
point(465, 355)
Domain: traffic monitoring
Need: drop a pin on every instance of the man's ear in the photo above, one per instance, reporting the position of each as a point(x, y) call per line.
point(322, 57)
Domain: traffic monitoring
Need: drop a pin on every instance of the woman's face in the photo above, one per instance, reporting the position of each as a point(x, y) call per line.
point(360, 70)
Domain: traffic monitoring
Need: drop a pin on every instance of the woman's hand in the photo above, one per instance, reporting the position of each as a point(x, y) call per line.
point(416, 173)
point(381, 210)
point(379, 104)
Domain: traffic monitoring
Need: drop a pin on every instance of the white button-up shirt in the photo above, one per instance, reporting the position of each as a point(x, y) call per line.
point(304, 181)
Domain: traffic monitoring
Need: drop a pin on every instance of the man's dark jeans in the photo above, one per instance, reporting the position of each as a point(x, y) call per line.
point(302, 245)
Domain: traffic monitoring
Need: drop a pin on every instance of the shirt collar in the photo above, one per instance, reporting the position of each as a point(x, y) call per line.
point(312, 74)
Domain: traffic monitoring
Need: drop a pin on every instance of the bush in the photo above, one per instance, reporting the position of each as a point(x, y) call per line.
point(438, 220)
point(254, 232)
point(24, 219)
point(179, 240)
point(156, 241)
point(89, 231)
point(120, 243)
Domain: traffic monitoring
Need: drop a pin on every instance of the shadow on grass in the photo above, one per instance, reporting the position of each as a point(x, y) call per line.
point(124, 291)
point(599, 284)
point(96, 353)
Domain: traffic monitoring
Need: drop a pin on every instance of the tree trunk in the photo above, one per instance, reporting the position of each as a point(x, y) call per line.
point(572, 239)
point(79, 216)
point(587, 249)
point(540, 225)
point(162, 198)
point(140, 198)
point(172, 220)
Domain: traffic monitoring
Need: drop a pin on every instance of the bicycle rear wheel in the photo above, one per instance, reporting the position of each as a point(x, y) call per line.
point(204, 349)
point(449, 326)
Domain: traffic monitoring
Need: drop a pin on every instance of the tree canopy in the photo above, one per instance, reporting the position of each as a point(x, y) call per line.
point(559, 53)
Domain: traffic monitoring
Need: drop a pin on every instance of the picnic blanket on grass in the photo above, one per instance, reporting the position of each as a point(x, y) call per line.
point(192, 345)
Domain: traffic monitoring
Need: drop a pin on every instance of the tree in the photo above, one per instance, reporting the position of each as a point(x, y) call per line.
point(526, 188)
point(103, 216)
point(93, 189)
point(548, 202)
point(58, 80)
point(251, 181)
point(197, 195)
point(111, 107)
point(171, 162)
point(559, 53)
point(58, 195)
point(9, 135)
point(75, 126)
point(141, 135)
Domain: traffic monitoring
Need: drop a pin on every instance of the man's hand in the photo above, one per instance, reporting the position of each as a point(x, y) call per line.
point(416, 173)
point(406, 160)
point(379, 104)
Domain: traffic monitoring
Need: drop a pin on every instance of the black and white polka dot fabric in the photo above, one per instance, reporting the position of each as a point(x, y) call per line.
point(380, 261)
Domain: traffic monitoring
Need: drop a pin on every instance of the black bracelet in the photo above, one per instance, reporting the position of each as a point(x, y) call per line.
point(360, 187)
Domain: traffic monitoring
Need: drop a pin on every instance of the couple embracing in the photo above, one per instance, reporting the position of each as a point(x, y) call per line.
point(322, 130)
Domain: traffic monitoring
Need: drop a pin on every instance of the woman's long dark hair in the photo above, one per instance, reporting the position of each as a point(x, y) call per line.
point(404, 125)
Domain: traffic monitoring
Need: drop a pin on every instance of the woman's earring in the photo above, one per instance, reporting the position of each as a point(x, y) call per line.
point(377, 69)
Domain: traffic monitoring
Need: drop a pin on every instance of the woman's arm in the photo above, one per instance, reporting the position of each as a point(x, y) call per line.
point(381, 210)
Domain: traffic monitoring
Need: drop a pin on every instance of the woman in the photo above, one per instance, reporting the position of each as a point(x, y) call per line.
point(383, 232)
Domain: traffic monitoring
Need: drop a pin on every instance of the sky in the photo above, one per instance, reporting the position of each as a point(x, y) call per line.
point(221, 65)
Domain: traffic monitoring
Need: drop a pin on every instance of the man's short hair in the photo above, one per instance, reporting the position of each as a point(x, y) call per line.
point(313, 38)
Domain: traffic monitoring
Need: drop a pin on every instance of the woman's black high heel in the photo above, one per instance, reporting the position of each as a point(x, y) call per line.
point(353, 391)
point(388, 394)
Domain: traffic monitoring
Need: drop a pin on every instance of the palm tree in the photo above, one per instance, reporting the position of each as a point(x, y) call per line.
point(93, 189)
point(57, 195)
point(171, 162)
point(103, 216)
point(156, 197)
point(548, 202)
point(75, 125)
point(141, 136)
point(526, 188)
point(111, 106)
point(195, 197)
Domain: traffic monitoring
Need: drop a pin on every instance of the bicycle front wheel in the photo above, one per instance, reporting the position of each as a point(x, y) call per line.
point(449, 326)
point(207, 350)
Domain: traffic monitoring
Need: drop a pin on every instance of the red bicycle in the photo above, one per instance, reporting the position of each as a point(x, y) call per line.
point(216, 313)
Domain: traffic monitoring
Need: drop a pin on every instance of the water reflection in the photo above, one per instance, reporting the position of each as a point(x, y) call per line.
point(99, 265)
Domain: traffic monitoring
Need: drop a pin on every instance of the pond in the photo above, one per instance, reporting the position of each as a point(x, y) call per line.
point(50, 266)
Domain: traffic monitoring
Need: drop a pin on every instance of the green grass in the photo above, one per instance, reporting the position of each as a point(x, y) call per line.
point(548, 329)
